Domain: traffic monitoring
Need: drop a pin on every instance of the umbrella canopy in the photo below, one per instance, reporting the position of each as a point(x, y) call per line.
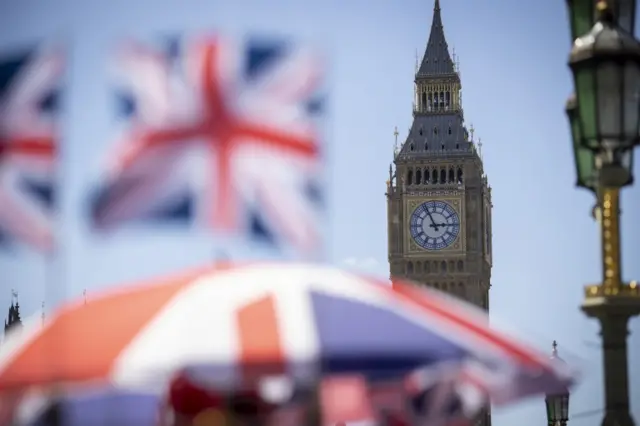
point(234, 323)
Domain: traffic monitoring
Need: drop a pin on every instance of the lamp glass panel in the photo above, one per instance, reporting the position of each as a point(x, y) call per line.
point(609, 96)
point(625, 14)
point(587, 112)
point(584, 157)
point(585, 168)
point(558, 409)
point(565, 407)
point(631, 100)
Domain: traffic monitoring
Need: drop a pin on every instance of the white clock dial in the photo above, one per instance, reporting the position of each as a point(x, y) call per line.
point(435, 225)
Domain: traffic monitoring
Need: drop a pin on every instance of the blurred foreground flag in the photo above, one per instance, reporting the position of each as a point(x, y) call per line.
point(30, 83)
point(219, 133)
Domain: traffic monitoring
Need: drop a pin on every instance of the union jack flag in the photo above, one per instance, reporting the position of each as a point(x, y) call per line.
point(221, 132)
point(29, 90)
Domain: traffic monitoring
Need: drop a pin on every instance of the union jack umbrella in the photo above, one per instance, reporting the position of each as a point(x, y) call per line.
point(222, 132)
point(29, 90)
point(231, 324)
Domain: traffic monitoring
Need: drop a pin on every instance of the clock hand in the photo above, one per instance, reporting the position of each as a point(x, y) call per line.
point(433, 222)
point(437, 225)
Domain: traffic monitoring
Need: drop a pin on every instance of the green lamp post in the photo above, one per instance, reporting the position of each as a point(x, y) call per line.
point(557, 403)
point(604, 118)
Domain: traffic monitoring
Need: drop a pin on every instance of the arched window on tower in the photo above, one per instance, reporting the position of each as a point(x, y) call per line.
point(418, 177)
point(409, 268)
point(427, 267)
point(460, 266)
point(441, 100)
point(419, 267)
point(409, 177)
point(452, 266)
point(447, 100)
point(424, 101)
point(452, 175)
point(426, 176)
point(443, 176)
point(459, 175)
point(434, 178)
point(430, 104)
point(443, 266)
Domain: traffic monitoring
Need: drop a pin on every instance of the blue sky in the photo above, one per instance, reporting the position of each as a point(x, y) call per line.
point(515, 82)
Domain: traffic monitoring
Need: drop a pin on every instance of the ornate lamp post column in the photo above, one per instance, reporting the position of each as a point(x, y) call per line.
point(605, 119)
point(557, 403)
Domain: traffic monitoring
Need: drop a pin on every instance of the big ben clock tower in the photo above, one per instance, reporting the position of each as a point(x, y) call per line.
point(438, 196)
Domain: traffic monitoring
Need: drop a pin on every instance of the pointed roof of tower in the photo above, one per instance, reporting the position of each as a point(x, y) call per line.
point(436, 59)
point(437, 131)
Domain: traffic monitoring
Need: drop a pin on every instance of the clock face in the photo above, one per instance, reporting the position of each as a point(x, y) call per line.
point(435, 225)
